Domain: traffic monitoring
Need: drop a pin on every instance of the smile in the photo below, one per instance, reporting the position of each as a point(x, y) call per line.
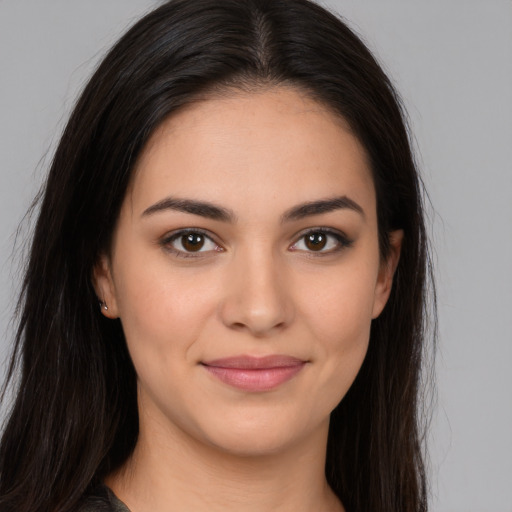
point(255, 374)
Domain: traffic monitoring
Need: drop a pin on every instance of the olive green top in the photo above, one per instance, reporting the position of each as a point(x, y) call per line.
point(102, 499)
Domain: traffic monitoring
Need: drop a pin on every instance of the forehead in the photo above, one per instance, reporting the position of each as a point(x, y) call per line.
point(271, 145)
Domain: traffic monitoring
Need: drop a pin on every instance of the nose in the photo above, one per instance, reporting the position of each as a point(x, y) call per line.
point(257, 298)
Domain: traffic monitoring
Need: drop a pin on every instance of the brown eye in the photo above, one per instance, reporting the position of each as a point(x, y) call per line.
point(193, 242)
point(315, 241)
point(190, 243)
point(322, 241)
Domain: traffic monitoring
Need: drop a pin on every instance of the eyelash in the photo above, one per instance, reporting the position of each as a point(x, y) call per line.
point(167, 241)
point(341, 239)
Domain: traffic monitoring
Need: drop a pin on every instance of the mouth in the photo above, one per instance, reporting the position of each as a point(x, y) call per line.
point(255, 374)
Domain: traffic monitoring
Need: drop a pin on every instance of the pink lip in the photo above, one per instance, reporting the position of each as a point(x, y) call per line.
point(255, 373)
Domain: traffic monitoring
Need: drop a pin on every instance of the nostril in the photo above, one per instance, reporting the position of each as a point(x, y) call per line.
point(257, 330)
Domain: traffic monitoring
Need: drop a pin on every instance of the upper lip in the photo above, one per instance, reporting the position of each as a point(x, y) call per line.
point(244, 362)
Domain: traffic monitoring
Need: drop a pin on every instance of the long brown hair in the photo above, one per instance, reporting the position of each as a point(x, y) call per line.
point(75, 417)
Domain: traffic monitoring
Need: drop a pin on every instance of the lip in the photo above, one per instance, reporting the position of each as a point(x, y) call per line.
point(255, 374)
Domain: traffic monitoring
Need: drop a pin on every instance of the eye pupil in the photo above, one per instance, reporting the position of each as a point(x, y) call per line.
point(192, 242)
point(316, 241)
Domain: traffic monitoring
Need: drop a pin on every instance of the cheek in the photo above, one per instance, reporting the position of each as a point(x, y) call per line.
point(340, 311)
point(339, 319)
point(162, 310)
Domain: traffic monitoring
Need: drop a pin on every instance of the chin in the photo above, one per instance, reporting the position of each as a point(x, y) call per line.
point(260, 437)
point(253, 446)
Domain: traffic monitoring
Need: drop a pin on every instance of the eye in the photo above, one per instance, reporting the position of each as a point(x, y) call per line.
point(186, 243)
point(321, 241)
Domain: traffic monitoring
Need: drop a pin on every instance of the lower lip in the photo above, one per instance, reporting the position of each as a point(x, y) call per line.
point(261, 379)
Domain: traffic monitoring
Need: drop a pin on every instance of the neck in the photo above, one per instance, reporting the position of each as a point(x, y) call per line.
point(176, 472)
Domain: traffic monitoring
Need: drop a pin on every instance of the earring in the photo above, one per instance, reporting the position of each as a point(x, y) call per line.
point(103, 305)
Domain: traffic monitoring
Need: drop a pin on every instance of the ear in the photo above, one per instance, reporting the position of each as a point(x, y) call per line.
point(387, 271)
point(104, 286)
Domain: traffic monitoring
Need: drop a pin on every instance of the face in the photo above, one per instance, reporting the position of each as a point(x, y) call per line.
point(245, 270)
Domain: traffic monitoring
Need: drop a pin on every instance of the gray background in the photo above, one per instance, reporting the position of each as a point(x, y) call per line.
point(452, 62)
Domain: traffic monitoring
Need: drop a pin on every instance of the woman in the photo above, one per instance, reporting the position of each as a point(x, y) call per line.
point(236, 191)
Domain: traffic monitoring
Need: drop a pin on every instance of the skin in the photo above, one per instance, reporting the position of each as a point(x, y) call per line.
point(255, 288)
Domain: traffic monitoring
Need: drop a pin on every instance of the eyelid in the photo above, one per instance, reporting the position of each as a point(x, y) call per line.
point(343, 240)
point(170, 237)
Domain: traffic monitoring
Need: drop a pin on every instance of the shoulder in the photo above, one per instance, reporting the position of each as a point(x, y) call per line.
point(101, 499)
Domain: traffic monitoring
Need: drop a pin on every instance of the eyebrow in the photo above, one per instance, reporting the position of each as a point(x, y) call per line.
point(215, 212)
point(302, 211)
point(201, 208)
